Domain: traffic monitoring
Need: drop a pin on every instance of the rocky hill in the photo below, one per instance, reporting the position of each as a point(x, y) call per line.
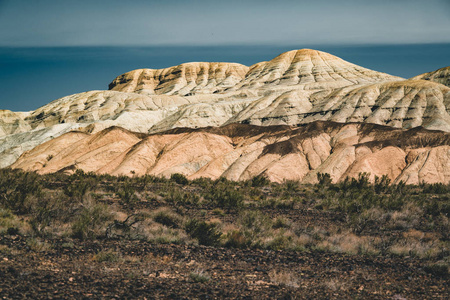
point(296, 87)
point(240, 152)
point(440, 76)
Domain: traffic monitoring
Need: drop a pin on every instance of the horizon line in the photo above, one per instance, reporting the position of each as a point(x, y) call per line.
point(223, 45)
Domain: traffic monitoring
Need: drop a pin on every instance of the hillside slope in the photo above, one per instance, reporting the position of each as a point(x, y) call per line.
point(296, 87)
point(240, 152)
point(441, 75)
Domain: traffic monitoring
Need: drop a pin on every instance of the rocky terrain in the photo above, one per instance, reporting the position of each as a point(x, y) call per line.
point(441, 76)
point(101, 237)
point(149, 271)
point(241, 152)
point(296, 87)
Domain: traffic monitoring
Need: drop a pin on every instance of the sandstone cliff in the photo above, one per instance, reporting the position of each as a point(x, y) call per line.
point(240, 152)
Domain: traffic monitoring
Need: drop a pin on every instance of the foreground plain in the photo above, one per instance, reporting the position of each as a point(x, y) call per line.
point(91, 236)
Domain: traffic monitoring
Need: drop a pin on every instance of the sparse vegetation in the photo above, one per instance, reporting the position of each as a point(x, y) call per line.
point(353, 218)
point(199, 276)
point(284, 278)
point(256, 216)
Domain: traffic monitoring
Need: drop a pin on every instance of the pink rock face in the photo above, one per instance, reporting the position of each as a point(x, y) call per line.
point(388, 161)
point(240, 152)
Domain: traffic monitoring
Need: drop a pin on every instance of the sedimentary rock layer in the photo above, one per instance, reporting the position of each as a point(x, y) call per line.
point(296, 87)
point(185, 79)
point(240, 152)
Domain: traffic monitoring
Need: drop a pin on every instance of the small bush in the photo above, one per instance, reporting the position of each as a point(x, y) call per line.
point(436, 188)
point(324, 179)
point(281, 222)
point(107, 256)
point(218, 212)
point(127, 194)
point(91, 218)
point(284, 278)
point(236, 239)
point(199, 276)
point(79, 185)
point(37, 245)
point(179, 178)
point(167, 218)
point(255, 222)
point(259, 181)
point(279, 243)
point(206, 233)
point(225, 196)
point(381, 184)
point(291, 186)
point(9, 223)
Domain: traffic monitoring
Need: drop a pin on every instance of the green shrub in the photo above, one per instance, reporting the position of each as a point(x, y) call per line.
point(48, 210)
point(206, 233)
point(381, 185)
point(225, 196)
point(77, 189)
point(291, 186)
point(107, 256)
point(218, 212)
point(236, 239)
point(37, 245)
point(324, 179)
point(203, 182)
point(179, 178)
point(9, 223)
point(436, 188)
point(127, 194)
point(281, 222)
point(259, 181)
point(255, 222)
point(279, 243)
point(176, 196)
point(167, 218)
point(17, 188)
point(90, 219)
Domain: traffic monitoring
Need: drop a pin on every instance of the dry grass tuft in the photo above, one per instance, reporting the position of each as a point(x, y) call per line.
point(284, 278)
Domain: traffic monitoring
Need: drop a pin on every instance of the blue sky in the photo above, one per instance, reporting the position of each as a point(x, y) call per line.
point(210, 22)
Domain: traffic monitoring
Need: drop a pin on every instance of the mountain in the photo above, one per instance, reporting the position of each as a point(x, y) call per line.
point(240, 152)
point(440, 76)
point(296, 87)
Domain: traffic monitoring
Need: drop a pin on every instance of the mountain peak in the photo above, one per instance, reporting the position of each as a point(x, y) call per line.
point(306, 53)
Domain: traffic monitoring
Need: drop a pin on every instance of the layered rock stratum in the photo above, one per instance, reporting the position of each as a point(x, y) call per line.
point(240, 152)
point(296, 87)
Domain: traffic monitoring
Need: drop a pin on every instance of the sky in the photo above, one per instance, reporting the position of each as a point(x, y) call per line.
point(211, 22)
point(53, 48)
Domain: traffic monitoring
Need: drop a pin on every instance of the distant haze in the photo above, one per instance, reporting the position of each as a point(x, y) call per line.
point(213, 22)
